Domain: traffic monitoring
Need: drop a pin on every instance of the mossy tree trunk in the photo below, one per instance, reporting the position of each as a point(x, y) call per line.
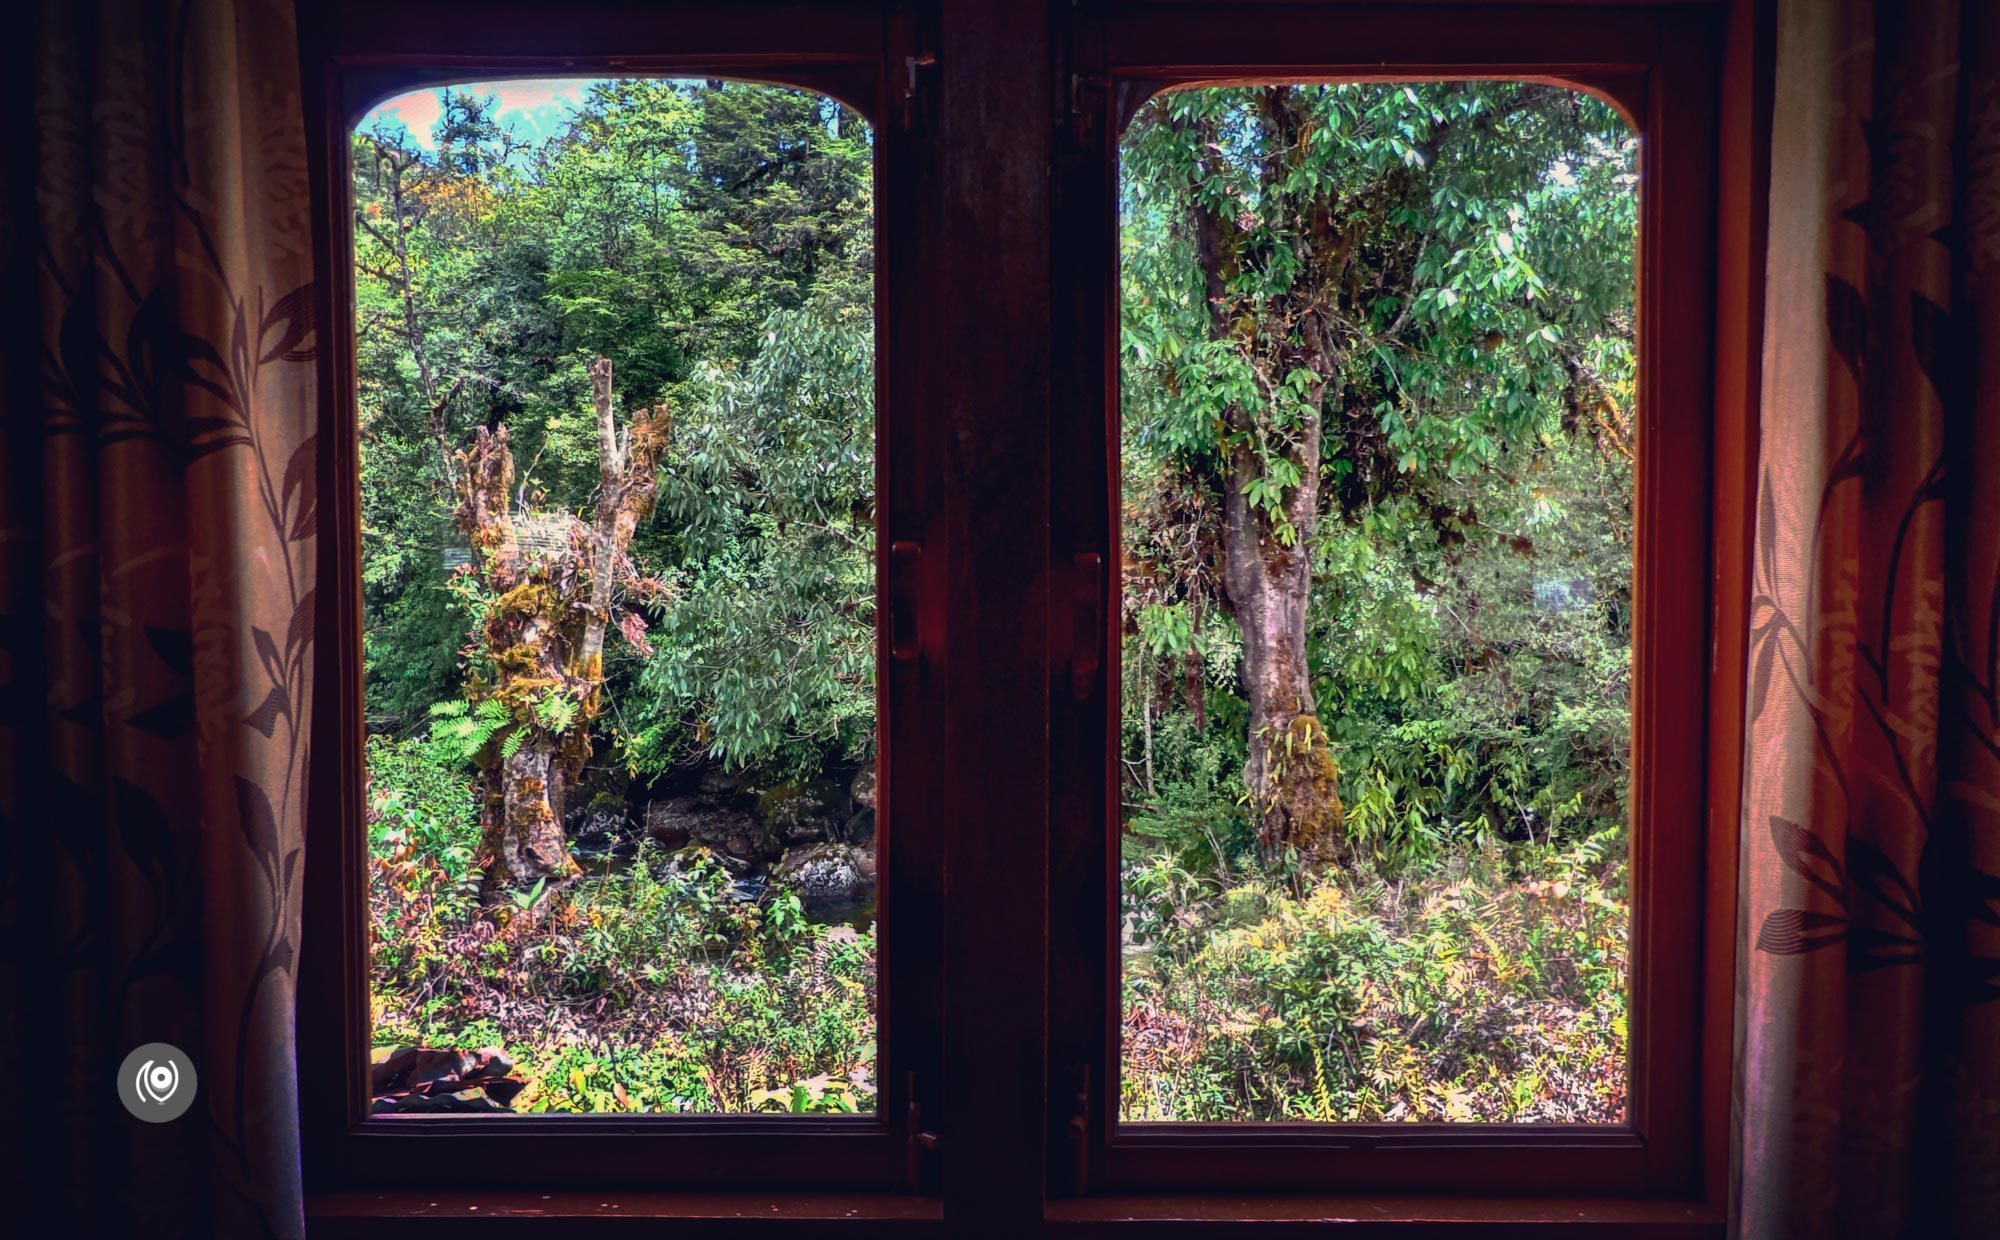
point(540, 650)
point(1267, 542)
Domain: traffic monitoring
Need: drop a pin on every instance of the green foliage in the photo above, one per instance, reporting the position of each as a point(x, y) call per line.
point(466, 730)
point(696, 1000)
point(1490, 229)
point(1475, 994)
point(421, 790)
point(1468, 632)
point(1475, 450)
point(716, 239)
point(769, 655)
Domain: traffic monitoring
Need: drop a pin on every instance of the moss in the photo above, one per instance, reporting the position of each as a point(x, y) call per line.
point(533, 597)
point(1311, 796)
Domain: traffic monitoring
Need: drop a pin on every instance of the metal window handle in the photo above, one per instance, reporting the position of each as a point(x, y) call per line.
point(1086, 648)
point(904, 555)
point(916, 1141)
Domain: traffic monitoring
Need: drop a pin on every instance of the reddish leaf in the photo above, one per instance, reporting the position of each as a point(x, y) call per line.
point(265, 717)
point(634, 629)
point(1790, 931)
point(1800, 850)
point(300, 632)
point(1847, 323)
point(294, 314)
point(258, 823)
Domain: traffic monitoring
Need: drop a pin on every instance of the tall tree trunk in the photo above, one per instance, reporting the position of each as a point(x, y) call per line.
point(1290, 773)
point(1267, 568)
point(524, 832)
point(524, 772)
point(545, 629)
point(397, 166)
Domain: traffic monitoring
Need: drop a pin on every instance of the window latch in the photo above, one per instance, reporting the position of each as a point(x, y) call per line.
point(916, 1141)
point(1086, 645)
point(904, 556)
point(1079, 1139)
point(921, 60)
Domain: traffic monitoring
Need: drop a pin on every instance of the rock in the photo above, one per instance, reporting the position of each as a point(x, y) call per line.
point(389, 1065)
point(671, 823)
point(827, 872)
point(432, 1067)
point(599, 831)
point(408, 1078)
point(863, 787)
point(861, 829)
point(804, 813)
point(680, 821)
point(719, 784)
point(463, 1101)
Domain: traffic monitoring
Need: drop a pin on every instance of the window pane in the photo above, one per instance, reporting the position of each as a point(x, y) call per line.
point(1377, 438)
point(616, 387)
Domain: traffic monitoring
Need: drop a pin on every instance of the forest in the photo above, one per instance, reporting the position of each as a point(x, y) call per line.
point(616, 389)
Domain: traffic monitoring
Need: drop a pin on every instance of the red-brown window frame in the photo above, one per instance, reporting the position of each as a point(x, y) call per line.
point(998, 196)
point(1661, 66)
point(353, 56)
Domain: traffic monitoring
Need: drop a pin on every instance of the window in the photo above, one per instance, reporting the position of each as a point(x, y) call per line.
point(617, 426)
point(1321, 937)
point(1376, 469)
point(627, 485)
point(943, 490)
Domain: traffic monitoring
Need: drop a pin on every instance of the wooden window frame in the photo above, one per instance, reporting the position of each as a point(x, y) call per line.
point(993, 207)
point(1661, 66)
point(354, 56)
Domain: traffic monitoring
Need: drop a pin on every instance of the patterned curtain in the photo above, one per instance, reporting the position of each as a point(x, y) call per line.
point(156, 605)
point(1869, 1059)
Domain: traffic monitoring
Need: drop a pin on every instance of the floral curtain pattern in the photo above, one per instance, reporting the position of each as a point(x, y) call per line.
point(1868, 1077)
point(156, 606)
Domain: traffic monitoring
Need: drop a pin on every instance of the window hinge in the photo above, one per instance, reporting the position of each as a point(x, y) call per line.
point(1079, 1139)
point(912, 105)
point(916, 1142)
point(1086, 105)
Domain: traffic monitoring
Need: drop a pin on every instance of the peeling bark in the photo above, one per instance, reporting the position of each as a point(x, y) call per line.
point(543, 635)
point(1267, 571)
point(1290, 772)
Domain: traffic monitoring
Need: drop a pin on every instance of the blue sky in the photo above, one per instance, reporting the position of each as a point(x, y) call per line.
point(531, 109)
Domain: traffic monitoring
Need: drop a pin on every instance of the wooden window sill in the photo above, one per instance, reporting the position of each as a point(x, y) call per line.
point(431, 1214)
point(1572, 1219)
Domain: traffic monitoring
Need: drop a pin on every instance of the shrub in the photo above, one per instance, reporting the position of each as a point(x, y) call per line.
point(1492, 989)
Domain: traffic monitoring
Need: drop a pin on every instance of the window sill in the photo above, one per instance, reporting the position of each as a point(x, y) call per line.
point(1573, 1219)
point(562, 1213)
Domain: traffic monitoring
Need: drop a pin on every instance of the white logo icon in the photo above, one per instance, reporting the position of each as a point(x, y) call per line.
point(156, 1082)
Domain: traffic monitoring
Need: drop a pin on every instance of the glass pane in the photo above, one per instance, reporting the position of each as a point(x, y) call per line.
point(1377, 438)
point(616, 387)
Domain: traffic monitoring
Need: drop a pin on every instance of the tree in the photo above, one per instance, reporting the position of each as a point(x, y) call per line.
point(768, 655)
point(716, 239)
point(540, 645)
point(1329, 287)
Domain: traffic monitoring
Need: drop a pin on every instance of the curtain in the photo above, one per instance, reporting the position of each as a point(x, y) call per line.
point(156, 573)
point(1868, 1080)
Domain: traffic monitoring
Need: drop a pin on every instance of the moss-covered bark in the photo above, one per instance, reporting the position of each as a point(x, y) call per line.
point(540, 649)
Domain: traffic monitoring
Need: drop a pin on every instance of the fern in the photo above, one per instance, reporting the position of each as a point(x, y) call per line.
point(557, 712)
point(469, 728)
